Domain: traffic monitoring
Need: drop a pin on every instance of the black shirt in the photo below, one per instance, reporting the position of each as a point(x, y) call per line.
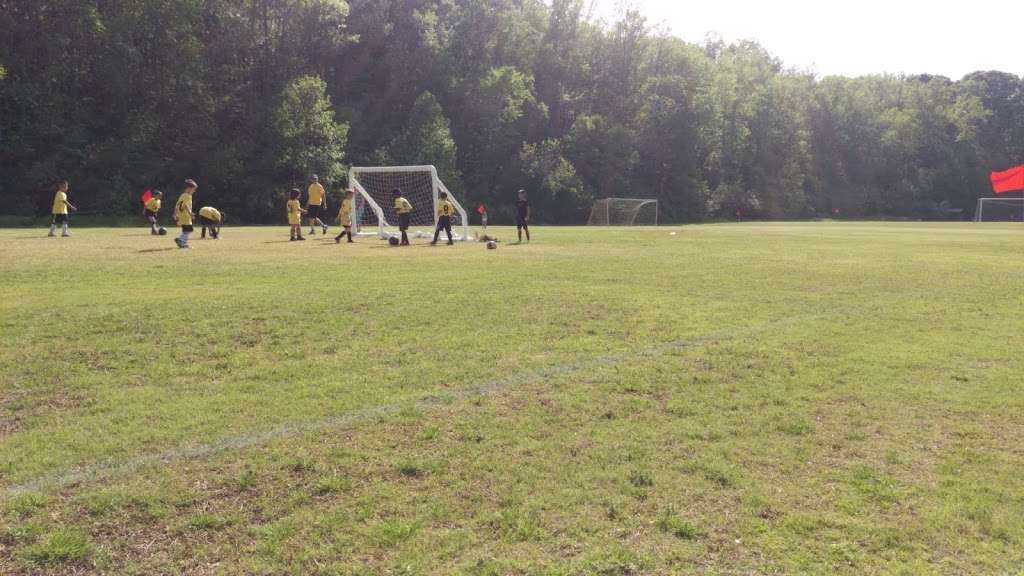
point(522, 207)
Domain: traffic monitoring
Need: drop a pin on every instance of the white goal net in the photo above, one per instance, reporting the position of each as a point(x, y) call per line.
point(374, 206)
point(1000, 210)
point(624, 212)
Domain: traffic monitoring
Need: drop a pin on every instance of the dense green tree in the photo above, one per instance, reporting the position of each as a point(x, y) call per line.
point(249, 96)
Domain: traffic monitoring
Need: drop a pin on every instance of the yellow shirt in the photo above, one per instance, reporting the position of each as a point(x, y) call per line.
point(60, 203)
point(345, 212)
point(153, 205)
point(183, 210)
point(294, 212)
point(402, 205)
point(316, 194)
point(210, 213)
point(445, 208)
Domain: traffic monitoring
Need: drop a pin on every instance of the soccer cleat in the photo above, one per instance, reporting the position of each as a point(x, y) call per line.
point(337, 239)
point(325, 229)
point(65, 235)
point(301, 238)
point(450, 243)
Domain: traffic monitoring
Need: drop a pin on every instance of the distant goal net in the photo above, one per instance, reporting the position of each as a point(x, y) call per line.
point(624, 212)
point(1000, 210)
point(374, 213)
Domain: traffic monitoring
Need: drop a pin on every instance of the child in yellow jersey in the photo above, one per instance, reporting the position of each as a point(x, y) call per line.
point(404, 210)
point(151, 210)
point(183, 213)
point(316, 204)
point(345, 217)
point(295, 213)
point(60, 210)
point(445, 211)
point(211, 218)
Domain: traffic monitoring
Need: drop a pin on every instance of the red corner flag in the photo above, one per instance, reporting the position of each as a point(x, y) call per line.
point(147, 196)
point(482, 209)
point(1011, 180)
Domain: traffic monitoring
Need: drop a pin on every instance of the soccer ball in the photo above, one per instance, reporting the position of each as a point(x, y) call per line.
point(162, 231)
point(492, 245)
point(393, 241)
point(420, 234)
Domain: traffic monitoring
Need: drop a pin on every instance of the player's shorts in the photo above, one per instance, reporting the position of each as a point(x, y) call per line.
point(403, 222)
point(313, 212)
point(294, 220)
point(150, 216)
point(187, 228)
point(444, 222)
point(207, 223)
point(60, 218)
point(521, 223)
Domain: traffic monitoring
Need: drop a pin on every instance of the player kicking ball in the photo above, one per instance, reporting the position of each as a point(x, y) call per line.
point(316, 204)
point(445, 211)
point(60, 210)
point(183, 213)
point(345, 218)
point(211, 218)
point(152, 209)
point(523, 216)
point(404, 210)
point(295, 213)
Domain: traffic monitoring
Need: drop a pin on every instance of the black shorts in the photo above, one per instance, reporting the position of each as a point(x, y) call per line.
point(187, 228)
point(60, 218)
point(403, 222)
point(313, 212)
point(207, 223)
point(522, 223)
point(444, 222)
point(150, 216)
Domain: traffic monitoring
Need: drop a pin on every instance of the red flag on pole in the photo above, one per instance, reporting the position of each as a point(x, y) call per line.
point(147, 196)
point(1011, 180)
point(482, 209)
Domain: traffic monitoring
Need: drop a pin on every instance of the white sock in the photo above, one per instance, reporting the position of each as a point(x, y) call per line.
point(184, 237)
point(64, 228)
point(53, 227)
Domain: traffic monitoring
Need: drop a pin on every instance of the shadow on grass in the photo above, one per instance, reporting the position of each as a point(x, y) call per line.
point(151, 250)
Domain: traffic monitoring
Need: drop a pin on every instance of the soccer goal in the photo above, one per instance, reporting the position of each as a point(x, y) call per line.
point(624, 212)
point(1000, 210)
point(374, 213)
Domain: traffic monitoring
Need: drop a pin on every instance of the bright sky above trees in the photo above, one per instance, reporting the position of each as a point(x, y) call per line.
point(856, 38)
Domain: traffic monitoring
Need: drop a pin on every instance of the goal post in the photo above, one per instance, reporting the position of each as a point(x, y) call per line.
point(373, 213)
point(624, 212)
point(999, 210)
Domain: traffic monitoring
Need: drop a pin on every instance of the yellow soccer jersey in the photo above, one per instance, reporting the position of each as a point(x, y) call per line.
point(345, 212)
point(153, 205)
point(294, 212)
point(316, 194)
point(402, 205)
point(183, 210)
point(210, 213)
point(60, 203)
point(445, 208)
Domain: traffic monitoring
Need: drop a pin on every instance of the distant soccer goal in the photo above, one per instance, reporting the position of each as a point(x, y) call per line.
point(624, 212)
point(374, 213)
point(1000, 210)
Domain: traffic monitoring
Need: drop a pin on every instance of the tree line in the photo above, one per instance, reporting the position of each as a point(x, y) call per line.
point(250, 97)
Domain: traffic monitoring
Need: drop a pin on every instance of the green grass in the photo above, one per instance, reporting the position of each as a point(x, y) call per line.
point(732, 399)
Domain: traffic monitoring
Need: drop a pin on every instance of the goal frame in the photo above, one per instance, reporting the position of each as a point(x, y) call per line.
point(437, 186)
point(979, 213)
point(642, 202)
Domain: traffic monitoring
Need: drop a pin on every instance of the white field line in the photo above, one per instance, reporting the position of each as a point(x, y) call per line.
point(103, 470)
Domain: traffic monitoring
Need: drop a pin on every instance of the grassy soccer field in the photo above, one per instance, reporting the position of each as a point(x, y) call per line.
point(732, 399)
